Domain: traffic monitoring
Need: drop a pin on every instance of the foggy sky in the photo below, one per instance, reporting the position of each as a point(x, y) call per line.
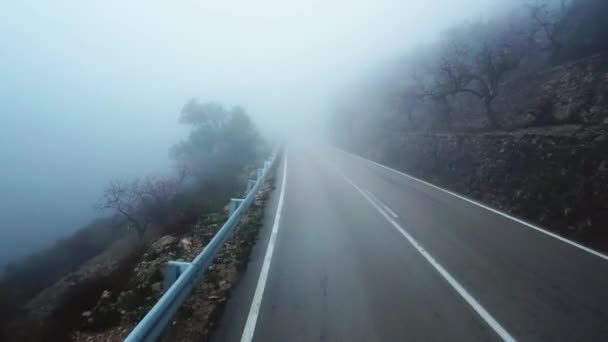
point(91, 90)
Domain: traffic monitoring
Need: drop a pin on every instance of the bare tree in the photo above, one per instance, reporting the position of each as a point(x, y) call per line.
point(425, 89)
point(140, 202)
point(547, 20)
point(405, 103)
point(476, 65)
point(124, 199)
point(184, 170)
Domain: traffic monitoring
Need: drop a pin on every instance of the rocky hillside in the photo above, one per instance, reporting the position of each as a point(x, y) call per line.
point(556, 177)
point(574, 92)
point(101, 280)
point(116, 312)
point(553, 173)
point(511, 111)
point(105, 298)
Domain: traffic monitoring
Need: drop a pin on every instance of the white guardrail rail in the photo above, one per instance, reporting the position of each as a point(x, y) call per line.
point(182, 277)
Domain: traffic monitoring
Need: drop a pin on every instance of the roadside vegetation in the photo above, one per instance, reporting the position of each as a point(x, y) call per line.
point(510, 110)
point(45, 294)
point(485, 75)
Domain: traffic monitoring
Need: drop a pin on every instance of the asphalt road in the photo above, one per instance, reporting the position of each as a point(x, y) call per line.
point(363, 253)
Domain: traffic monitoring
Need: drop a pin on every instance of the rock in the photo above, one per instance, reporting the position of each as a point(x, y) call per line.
point(185, 244)
point(157, 287)
point(524, 120)
point(105, 299)
point(601, 138)
point(163, 242)
point(563, 113)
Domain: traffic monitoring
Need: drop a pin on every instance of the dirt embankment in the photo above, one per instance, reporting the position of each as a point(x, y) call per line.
point(556, 177)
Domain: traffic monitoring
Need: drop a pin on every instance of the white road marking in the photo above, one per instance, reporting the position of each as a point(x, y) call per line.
point(527, 224)
point(483, 313)
point(256, 304)
point(389, 210)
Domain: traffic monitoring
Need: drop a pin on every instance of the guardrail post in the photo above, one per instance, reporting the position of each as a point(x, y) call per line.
point(180, 277)
point(234, 204)
point(173, 270)
point(250, 185)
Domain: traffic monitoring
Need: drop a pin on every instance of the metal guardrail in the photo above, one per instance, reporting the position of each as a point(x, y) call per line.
point(181, 277)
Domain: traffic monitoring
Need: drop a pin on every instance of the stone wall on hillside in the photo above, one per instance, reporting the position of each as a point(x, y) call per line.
point(555, 177)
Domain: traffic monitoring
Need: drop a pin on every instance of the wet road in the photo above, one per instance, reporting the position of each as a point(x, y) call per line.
point(360, 252)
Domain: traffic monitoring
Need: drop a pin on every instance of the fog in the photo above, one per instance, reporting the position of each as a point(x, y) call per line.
point(91, 91)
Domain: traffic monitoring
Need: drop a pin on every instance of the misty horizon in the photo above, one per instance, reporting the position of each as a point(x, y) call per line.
point(92, 92)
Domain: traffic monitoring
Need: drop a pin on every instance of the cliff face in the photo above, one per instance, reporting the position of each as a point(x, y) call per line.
point(556, 177)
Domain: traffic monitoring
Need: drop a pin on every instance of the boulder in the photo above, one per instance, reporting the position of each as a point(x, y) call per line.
point(185, 244)
point(163, 242)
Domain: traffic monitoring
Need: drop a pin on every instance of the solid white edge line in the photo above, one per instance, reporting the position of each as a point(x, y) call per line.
point(481, 311)
point(386, 207)
point(527, 224)
point(256, 303)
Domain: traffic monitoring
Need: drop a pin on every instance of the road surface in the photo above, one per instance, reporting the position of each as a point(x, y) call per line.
point(353, 251)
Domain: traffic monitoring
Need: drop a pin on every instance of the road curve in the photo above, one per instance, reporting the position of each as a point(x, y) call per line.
point(363, 253)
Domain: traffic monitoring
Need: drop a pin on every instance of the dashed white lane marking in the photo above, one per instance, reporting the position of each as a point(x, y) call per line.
point(391, 212)
point(256, 304)
point(527, 224)
point(481, 311)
